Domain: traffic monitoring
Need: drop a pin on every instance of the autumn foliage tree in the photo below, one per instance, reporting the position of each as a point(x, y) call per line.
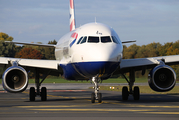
point(5, 37)
point(29, 53)
point(6, 49)
point(48, 52)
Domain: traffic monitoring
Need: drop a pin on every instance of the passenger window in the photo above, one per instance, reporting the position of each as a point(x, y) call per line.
point(115, 40)
point(105, 39)
point(83, 40)
point(93, 39)
point(79, 40)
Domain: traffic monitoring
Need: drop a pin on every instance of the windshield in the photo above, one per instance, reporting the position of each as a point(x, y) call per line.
point(83, 40)
point(93, 39)
point(115, 40)
point(105, 39)
point(79, 40)
point(102, 39)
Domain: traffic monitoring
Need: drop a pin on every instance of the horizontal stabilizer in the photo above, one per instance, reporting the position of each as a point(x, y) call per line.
point(33, 44)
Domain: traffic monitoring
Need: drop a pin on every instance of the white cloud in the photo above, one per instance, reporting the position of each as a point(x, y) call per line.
point(35, 27)
point(20, 32)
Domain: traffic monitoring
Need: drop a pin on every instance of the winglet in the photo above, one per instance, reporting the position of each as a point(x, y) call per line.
point(72, 15)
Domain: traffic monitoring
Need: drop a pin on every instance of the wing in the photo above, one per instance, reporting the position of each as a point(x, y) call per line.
point(128, 41)
point(33, 44)
point(145, 63)
point(30, 64)
point(15, 77)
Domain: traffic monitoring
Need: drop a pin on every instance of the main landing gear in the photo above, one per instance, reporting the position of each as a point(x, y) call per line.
point(96, 95)
point(135, 92)
point(43, 93)
point(33, 94)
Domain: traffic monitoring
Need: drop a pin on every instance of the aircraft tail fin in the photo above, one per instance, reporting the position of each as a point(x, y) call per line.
point(72, 15)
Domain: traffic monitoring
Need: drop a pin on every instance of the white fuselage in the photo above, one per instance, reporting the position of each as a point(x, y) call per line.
point(102, 45)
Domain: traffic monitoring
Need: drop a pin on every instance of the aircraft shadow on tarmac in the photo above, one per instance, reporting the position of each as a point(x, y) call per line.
point(154, 98)
point(82, 96)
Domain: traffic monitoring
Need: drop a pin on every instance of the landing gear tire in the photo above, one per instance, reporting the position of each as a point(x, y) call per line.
point(125, 93)
point(99, 97)
point(32, 94)
point(93, 97)
point(43, 94)
point(136, 93)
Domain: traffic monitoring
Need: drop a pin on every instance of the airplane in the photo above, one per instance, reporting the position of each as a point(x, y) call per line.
point(92, 52)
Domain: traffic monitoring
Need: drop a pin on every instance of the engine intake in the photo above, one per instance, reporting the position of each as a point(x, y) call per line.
point(15, 79)
point(162, 78)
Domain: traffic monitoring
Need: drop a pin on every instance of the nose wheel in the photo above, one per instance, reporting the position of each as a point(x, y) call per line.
point(99, 97)
point(93, 97)
point(96, 95)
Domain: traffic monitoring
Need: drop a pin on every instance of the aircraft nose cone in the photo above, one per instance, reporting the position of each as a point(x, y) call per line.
point(99, 69)
point(98, 60)
point(101, 53)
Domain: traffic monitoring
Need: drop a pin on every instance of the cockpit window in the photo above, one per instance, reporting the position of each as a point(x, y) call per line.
point(79, 40)
point(83, 40)
point(115, 40)
point(105, 39)
point(93, 39)
point(102, 39)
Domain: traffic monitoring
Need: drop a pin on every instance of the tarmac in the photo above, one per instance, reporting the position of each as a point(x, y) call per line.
point(67, 104)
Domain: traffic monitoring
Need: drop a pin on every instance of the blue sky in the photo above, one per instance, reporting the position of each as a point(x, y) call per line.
point(43, 20)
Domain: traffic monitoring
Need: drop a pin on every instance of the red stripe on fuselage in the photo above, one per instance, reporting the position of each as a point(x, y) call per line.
point(74, 35)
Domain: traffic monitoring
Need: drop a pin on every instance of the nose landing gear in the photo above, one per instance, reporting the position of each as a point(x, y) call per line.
point(96, 95)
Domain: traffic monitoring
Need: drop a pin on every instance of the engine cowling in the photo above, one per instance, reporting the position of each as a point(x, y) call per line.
point(162, 78)
point(15, 79)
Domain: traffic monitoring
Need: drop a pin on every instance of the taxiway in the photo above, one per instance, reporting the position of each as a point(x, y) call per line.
point(76, 104)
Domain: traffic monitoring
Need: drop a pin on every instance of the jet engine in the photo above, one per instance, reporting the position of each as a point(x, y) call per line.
point(15, 79)
point(162, 78)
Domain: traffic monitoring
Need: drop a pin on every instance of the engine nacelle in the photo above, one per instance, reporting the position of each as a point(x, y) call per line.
point(162, 78)
point(15, 79)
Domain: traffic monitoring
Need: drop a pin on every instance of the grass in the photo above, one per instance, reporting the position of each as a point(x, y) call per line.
point(111, 80)
point(143, 89)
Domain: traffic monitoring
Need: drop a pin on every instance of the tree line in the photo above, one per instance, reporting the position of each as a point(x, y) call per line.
point(130, 52)
point(25, 51)
point(152, 50)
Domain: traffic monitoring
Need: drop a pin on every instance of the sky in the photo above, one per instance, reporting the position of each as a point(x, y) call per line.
point(146, 21)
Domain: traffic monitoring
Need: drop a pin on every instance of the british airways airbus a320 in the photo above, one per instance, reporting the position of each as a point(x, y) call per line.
point(91, 52)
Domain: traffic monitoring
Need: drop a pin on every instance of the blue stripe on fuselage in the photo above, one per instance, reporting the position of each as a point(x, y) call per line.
point(70, 73)
point(89, 69)
point(72, 42)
